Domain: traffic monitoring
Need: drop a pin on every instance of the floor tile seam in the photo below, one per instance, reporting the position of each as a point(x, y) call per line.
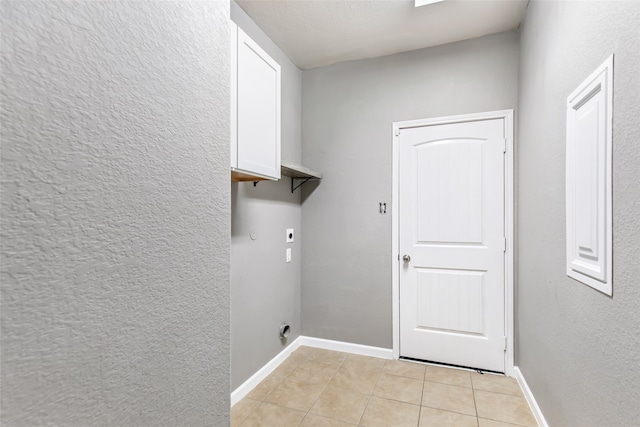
point(304, 360)
point(282, 406)
point(331, 419)
point(500, 392)
point(351, 390)
point(278, 385)
point(324, 388)
point(362, 368)
point(403, 376)
point(453, 385)
point(264, 399)
point(505, 422)
point(365, 410)
point(397, 400)
point(371, 394)
point(251, 411)
point(475, 405)
point(421, 399)
point(448, 410)
point(273, 404)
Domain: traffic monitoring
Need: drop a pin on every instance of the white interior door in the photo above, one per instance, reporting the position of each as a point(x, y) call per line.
point(452, 232)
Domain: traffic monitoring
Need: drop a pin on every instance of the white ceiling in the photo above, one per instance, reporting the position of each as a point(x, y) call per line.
point(314, 33)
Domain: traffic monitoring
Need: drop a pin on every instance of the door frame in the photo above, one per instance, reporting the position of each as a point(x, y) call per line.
point(509, 201)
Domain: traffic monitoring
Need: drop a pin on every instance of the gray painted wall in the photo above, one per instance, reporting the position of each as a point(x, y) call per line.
point(578, 349)
point(265, 290)
point(347, 112)
point(115, 213)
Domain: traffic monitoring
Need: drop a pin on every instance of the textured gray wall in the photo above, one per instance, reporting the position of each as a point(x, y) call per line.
point(347, 112)
point(578, 349)
point(265, 290)
point(115, 213)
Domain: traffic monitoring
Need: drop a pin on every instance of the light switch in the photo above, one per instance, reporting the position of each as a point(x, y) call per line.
point(289, 235)
point(288, 254)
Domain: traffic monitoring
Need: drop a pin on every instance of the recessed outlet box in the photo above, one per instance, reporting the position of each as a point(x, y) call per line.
point(289, 235)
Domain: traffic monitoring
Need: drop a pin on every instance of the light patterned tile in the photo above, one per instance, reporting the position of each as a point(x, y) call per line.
point(311, 420)
point(340, 404)
point(449, 376)
point(449, 398)
point(405, 389)
point(384, 413)
point(404, 369)
point(268, 415)
point(242, 409)
point(295, 395)
point(362, 380)
point(327, 356)
point(303, 351)
point(504, 407)
point(365, 362)
point(286, 367)
point(265, 387)
point(297, 357)
point(313, 372)
point(483, 422)
point(430, 417)
point(496, 384)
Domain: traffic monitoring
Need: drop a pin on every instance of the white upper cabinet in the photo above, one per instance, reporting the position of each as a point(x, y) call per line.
point(255, 110)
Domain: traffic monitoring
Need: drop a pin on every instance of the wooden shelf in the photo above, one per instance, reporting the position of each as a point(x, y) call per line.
point(298, 172)
point(295, 170)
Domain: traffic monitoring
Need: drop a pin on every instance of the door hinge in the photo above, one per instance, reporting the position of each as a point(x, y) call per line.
point(397, 132)
point(504, 145)
point(505, 343)
point(504, 248)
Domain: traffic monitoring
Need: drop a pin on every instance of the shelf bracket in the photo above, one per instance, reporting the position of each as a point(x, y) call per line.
point(299, 185)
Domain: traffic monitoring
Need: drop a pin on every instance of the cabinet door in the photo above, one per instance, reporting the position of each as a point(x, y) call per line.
point(258, 110)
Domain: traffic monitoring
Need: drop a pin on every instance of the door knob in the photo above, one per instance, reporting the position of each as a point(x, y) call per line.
point(406, 258)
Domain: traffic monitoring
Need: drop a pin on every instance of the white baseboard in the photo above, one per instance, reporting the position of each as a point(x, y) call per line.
point(346, 347)
point(535, 409)
point(365, 350)
point(255, 379)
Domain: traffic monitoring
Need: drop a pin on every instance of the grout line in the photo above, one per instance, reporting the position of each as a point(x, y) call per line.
point(448, 410)
point(421, 396)
point(475, 405)
point(327, 384)
point(371, 394)
point(452, 385)
point(303, 360)
point(502, 393)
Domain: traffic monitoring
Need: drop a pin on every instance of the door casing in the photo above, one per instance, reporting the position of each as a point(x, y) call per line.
point(507, 116)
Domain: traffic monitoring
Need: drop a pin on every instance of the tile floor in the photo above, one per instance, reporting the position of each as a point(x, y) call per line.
point(315, 387)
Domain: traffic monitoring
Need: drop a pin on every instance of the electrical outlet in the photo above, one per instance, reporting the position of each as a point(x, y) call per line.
point(288, 254)
point(289, 235)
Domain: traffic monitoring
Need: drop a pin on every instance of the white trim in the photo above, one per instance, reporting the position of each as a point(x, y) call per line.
point(346, 347)
point(509, 205)
point(594, 268)
point(233, 137)
point(395, 249)
point(364, 350)
point(262, 373)
point(528, 395)
point(507, 116)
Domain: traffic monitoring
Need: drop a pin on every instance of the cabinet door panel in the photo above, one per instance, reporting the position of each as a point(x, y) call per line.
point(258, 110)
